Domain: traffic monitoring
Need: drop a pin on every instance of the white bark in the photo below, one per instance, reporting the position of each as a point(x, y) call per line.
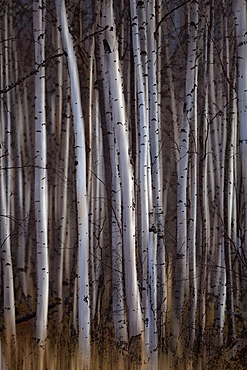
point(118, 213)
point(82, 205)
point(126, 175)
point(157, 252)
point(241, 29)
point(192, 116)
point(140, 57)
point(41, 194)
point(6, 203)
point(118, 292)
point(20, 176)
point(189, 121)
point(7, 268)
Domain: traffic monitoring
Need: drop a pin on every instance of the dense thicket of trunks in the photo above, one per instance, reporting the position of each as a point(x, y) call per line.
point(123, 183)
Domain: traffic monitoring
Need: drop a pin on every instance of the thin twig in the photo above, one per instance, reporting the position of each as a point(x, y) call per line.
point(33, 314)
point(33, 72)
point(167, 15)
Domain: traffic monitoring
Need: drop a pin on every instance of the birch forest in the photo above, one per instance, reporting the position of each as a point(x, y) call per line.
point(123, 184)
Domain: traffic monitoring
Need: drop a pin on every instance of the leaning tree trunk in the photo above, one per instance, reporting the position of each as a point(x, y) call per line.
point(81, 192)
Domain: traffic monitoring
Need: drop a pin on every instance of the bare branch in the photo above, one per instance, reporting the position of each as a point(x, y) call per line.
point(167, 15)
point(33, 72)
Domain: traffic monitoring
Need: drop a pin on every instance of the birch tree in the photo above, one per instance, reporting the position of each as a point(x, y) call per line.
point(120, 128)
point(240, 13)
point(82, 205)
point(6, 205)
point(123, 162)
point(40, 192)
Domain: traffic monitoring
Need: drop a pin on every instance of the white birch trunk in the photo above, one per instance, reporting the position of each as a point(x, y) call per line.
point(118, 293)
point(41, 192)
point(241, 29)
point(126, 175)
point(6, 201)
point(157, 169)
point(82, 205)
point(192, 116)
point(216, 182)
point(160, 196)
point(7, 268)
point(189, 119)
point(148, 227)
point(20, 176)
